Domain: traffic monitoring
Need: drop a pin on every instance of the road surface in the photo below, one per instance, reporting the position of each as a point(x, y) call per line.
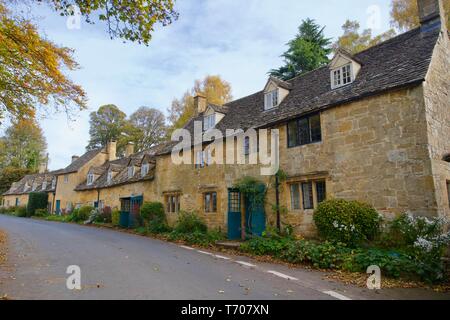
point(117, 265)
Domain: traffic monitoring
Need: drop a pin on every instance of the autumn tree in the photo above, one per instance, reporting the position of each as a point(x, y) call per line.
point(405, 14)
point(355, 41)
point(23, 145)
point(148, 128)
point(214, 88)
point(31, 70)
point(106, 124)
point(308, 51)
point(129, 20)
point(9, 175)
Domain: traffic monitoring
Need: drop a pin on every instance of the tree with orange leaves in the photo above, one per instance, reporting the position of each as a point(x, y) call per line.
point(31, 73)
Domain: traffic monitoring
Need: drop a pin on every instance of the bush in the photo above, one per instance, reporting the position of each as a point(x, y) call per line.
point(115, 217)
point(266, 246)
point(82, 214)
point(105, 215)
point(154, 217)
point(21, 212)
point(190, 222)
point(41, 213)
point(197, 238)
point(347, 222)
point(36, 200)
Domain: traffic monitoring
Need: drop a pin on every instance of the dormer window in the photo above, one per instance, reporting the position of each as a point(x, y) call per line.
point(44, 185)
point(109, 177)
point(130, 172)
point(271, 100)
point(54, 183)
point(144, 169)
point(34, 186)
point(90, 179)
point(342, 76)
point(209, 121)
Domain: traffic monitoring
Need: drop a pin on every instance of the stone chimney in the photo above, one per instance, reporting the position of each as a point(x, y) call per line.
point(200, 103)
point(129, 149)
point(431, 12)
point(111, 150)
point(75, 158)
point(44, 165)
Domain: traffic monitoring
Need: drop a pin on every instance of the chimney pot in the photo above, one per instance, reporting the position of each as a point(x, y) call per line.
point(200, 103)
point(75, 158)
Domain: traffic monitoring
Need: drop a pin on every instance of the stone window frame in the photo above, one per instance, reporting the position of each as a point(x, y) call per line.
point(301, 200)
point(172, 203)
point(213, 204)
point(312, 137)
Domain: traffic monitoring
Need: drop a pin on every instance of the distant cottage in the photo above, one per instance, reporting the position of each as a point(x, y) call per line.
point(373, 127)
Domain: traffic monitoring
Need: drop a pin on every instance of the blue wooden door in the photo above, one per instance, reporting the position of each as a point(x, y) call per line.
point(234, 215)
point(58, 207)
point(255, 217)
point(135, 208)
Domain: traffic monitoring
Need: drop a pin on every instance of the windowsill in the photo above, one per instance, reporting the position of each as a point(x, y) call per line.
point(343, 86)
point(305, 145)
point(301, 211)
point(271, 109)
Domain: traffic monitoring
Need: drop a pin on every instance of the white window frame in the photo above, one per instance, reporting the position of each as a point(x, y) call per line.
point(54, 183)
point(44, 185)
point(66, 178)
point(342, 76)
point(209, 121)
point(130, 172)
point(144, 169)
point(271, 99)
point(34, 186)
point(109, 176)
point(90, 179)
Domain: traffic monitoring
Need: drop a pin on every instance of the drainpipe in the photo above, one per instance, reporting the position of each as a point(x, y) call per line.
point(277, 196)
point(98, 198)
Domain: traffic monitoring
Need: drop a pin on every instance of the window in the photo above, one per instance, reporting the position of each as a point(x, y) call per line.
point(308, 202)
point(130, 172)
point(295, 197)
point(203, 158)
point(210, 200)
point(54, 183)
point(342, 76)
point(34, 186)
point(234, 201)
point(271, 100)
point(304, 131)
point(66, 178)
point(321, 192)
point(173, 203)
point(90, 179)
point(209, 122)
point(144, 169)
point(44, 185)
point(109, 177)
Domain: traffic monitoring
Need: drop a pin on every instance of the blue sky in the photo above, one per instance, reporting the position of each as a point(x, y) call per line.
point(239, 40)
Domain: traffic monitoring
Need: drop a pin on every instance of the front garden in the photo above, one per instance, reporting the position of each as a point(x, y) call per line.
point(352, 237)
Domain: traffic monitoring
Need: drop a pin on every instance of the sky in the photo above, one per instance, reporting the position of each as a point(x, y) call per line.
point(238, 40)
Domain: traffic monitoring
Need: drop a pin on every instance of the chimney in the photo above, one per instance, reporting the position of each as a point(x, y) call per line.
point(200, 103)
point(44, 165)
point(111, 150)
point(129, 150)
point(75, 158)
point(431, 13)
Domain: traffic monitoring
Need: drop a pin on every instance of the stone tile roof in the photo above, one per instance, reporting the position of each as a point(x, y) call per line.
point(25, 185)
point(81, 161)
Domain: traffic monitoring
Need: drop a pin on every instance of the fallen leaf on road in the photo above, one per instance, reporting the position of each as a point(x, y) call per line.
point(221, 291)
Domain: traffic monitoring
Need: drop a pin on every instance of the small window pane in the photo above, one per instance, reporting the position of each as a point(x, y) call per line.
point(214, 202)
point(207, 202)
point(346, 74)
point(307, 196)
point(234, 202)
point(293, 134)
point(316, 132)
point(321, 191)
point(295, 197)
point(304, 132)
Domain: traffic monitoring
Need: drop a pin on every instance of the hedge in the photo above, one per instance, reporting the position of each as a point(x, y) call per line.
point(36, 200)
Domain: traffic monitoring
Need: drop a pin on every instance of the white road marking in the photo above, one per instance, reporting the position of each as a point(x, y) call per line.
point(186, 247)
point(221, 257)
point(282, 275)
point(336, 295)
point(246, 264)
point(204, 252)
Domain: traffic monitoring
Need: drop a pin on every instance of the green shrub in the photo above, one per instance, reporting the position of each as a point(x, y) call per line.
point(154, 217)
point(41, 213)
point(115, 217)
point(105, 215)
point(36, 200)
point(347, 222)
point(21, 212)
point(263, 246)
point(82, 214)
point(197, 238)
point(190, 222)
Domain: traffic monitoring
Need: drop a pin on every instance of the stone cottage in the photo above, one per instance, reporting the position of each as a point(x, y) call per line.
point(373, 127)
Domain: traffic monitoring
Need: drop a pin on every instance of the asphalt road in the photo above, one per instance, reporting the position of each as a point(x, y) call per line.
point(117, 265)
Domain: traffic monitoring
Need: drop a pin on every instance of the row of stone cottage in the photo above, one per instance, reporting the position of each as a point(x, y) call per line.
point(373, 127)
